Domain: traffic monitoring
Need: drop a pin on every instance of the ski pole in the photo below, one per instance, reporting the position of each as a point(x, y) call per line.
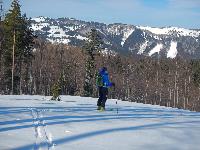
point(117, 106)
point(116, 99)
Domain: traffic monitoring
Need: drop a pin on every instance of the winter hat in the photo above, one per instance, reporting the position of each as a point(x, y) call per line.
point(104, 69)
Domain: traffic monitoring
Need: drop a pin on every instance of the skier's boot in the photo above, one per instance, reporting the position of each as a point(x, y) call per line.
point(99, 108)
point(102, 109)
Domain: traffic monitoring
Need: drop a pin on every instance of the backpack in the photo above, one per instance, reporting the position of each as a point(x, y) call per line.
point(99, 80)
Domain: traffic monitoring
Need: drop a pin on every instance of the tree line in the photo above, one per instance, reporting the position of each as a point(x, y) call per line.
point(30, 65)
point(16, 50)
point(166, 82)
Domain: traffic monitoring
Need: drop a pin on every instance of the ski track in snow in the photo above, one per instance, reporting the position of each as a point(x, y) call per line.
point(43, 138)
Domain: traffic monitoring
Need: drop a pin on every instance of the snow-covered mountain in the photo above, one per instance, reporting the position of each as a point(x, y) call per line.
point(35, 122)
point(168, 42)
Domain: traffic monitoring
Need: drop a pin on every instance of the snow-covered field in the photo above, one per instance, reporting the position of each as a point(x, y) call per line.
point(34, 122)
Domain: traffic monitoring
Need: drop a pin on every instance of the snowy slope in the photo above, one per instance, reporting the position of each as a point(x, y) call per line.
point(34, 122)
point(171, 30)
point(127, 33)
point(156, 49)
point(121, 38)
point(142, 47)
point(173, 50)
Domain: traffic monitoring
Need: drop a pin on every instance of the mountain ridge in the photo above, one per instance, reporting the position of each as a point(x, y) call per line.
point(123, 38)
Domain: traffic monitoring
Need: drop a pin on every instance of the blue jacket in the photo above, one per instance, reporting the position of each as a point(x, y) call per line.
point(105, 77)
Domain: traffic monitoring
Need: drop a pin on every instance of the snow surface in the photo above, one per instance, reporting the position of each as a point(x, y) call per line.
point(171, 30)
point(126, 30)
point(127, 33)
point(173, 50)
point(156, 49)
point(142, 47)
point(57, 32)
point(39, 26)
point(59, 40)
point(35, 122)
point(39, 19)
point(81, 37)
point(106, 52)
point(72, 28)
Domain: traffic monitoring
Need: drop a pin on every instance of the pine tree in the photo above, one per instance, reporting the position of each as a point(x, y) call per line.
point(91, 47)
point(1, 40)
point(196, 72)
point(17, 48)
point(56, 91)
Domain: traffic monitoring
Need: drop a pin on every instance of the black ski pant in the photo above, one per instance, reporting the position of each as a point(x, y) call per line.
point(103, 92)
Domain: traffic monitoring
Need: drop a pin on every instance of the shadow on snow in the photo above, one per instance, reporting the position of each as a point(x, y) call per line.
point(125, 113)
point(102, 132)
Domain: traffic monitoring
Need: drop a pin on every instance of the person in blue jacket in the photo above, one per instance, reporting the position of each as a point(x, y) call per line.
point(103, 84)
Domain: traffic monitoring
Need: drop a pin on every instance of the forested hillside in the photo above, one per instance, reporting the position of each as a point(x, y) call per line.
point(31, 65)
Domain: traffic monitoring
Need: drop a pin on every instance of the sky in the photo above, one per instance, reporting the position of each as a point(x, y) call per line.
point(154, 13)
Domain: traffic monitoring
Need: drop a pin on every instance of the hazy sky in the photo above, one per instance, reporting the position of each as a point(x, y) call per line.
point(155, 13)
